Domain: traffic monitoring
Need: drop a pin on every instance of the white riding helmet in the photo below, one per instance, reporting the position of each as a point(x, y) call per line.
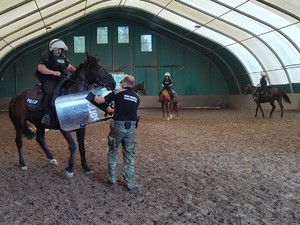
point(57, 43)
point(167, 74)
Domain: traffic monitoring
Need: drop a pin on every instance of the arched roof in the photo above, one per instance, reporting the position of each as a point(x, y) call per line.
point(262, 34)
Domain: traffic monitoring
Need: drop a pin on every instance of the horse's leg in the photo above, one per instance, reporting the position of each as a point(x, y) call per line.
point(19, 143)
point(19, 124)
point(262, 111)
point(72, 148)
point(80, 134)
point(163, 108)
point(273, 108)
point(281, 106)
point(40, 138)
point(257, 105)
point(171, 109)
point(175, 109)
point(167, 109)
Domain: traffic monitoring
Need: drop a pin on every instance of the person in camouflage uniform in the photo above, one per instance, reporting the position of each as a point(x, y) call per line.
point(122, 131)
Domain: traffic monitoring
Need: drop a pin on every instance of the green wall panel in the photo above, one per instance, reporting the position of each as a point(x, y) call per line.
point(150, 77)
point(170, 53)
point(102, 51)
point(296, 87)
point(26, 69)
point(123, 52)
point(217, 85)
point(192, 72)
point(8, 85)
point(77, 58)
point(145, 58)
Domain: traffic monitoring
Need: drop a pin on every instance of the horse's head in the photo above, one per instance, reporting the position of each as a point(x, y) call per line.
point(248, 89)
point(96, 74)
point(140, 87)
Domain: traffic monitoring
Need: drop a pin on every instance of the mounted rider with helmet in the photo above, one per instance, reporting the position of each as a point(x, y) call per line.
point(262, 87)
point(168, 84)
point(52, 65)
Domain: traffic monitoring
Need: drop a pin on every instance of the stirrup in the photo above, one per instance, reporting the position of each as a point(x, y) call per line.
point(46, 120)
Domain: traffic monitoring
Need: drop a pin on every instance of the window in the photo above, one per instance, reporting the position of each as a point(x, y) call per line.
point(102, 35)
point(123, 35)
point(146, 43)
point(118, 76)
point(79, 44)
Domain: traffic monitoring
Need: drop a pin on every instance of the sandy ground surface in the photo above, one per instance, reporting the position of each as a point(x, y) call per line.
point(210, 166)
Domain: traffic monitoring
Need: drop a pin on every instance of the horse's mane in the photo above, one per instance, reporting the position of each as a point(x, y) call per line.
point(75, 74)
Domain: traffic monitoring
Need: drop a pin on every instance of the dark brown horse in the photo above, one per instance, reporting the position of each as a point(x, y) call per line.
point(174, 106)
point(140, 87)
point(88, 74)
point(168, 105)
point(271, 94)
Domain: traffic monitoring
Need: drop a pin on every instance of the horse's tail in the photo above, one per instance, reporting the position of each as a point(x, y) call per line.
point(30, 134)
point(285, 97)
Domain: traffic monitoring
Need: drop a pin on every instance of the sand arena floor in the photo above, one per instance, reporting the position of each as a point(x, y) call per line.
point(211, 166)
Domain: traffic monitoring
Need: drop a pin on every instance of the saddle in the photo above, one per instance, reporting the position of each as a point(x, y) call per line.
point(35, 96)
point(260, 93)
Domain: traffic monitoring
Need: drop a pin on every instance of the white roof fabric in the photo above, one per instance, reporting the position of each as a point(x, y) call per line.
point(263, 34)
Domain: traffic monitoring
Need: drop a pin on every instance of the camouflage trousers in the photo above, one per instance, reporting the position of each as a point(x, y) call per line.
point(126, 137)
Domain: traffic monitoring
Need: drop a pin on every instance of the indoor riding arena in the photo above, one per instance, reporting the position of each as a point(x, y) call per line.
point(210, 166)
point(230, 157)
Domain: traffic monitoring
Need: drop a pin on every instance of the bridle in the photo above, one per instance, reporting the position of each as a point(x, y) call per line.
point(93, 78)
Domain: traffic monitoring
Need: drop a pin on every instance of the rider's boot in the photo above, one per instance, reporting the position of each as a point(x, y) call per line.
point(46, 119)
point(255, 96)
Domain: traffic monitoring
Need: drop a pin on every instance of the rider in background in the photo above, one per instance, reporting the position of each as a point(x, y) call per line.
point(167, 84)
point(52, 65)
point(263, 85)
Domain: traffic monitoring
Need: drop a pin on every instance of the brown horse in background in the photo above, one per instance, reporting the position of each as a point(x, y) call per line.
point(140, 87)
point(89, 74)
point(168, 105)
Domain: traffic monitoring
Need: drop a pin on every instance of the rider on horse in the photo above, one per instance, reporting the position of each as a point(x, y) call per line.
point(167, 84)
point(51, 66)
point(261, 89)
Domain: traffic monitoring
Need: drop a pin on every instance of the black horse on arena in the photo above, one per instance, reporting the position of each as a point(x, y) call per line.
point(89, 74)
point(271, 95)
point(140, 87)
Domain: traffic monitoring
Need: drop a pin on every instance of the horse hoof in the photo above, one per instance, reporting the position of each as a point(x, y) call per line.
point(23, 167)
point(53, 161)
point(69, 175)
